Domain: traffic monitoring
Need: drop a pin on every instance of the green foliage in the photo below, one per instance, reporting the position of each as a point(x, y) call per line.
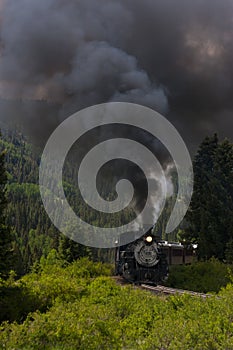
point(16, 301)
point(39, 290)
point(6, 247)
point(77, 307)
point(229, 251)
point(71, 250)
point(210, 216)
point(35, 235)
point(203, 276)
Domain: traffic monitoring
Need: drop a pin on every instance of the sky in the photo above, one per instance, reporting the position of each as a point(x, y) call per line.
point(175, 56)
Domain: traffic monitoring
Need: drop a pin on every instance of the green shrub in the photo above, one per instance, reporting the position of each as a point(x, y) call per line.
point(16, 301)
point(108, 316)
point(208, 276)
point(78, 308)
point(38, 291)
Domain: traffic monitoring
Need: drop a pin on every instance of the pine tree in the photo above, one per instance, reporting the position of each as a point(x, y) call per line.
point(210, 216)
point(70, 250)
point(223, 174)
point(6, 251)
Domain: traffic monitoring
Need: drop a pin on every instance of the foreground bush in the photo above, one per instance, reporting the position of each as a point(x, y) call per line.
point(51, 282)
point(76, 307)
point(208, 276)
point(108, 316)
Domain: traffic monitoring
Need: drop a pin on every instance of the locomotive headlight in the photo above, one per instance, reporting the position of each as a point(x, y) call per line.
point(149, 239)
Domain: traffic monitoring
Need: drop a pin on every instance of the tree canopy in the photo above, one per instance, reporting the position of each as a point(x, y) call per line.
point(6, 250)
point(210, 219)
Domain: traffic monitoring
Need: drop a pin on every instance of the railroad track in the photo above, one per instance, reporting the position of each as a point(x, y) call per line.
point(172, 291)
point(162, 290)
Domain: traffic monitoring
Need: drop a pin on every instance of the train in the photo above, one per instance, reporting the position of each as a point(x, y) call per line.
point(146, 260)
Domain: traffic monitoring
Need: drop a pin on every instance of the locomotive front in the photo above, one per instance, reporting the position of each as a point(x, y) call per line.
point(142, 261)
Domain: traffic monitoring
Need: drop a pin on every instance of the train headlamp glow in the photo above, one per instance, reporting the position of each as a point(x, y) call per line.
point(149, 239)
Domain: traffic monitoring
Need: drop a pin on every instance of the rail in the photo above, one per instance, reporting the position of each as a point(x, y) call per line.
point(162, 290)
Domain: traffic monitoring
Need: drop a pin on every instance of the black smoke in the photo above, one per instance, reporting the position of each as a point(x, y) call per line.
point(173, 56)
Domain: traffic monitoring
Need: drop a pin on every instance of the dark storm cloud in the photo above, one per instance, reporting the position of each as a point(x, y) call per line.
point(158, 53)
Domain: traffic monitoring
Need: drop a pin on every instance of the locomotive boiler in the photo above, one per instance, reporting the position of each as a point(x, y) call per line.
point(142, 261)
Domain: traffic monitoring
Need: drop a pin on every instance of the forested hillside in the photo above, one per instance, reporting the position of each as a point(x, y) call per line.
point(34, 234)
point(208, 222)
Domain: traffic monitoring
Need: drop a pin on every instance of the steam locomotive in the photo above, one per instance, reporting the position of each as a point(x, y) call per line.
point(147, 259)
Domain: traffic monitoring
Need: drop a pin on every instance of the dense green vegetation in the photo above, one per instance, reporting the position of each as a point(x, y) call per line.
point(50, 279)
point(202, 276)
point(6, 237)
point(34, 234)
point(210, 219)
point(79, 307)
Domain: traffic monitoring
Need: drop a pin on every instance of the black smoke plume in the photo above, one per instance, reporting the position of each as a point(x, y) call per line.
point(173, 56)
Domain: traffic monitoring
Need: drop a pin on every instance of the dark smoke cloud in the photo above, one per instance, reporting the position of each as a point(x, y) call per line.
point(174, 56)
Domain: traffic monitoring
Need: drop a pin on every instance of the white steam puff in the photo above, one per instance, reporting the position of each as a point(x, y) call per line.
point(71, 130)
